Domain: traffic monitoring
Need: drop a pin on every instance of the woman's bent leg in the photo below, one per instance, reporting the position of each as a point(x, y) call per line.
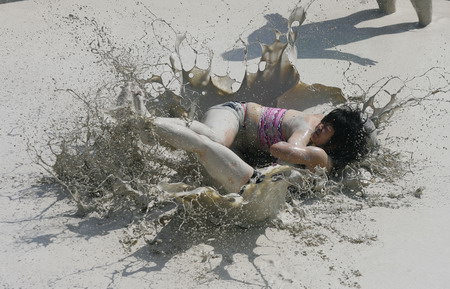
point(225, 124)
point(220, 125)
point(225, 166)
point(221, 163)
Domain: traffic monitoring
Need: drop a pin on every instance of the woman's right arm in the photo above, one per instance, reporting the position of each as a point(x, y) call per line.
point(310, 156)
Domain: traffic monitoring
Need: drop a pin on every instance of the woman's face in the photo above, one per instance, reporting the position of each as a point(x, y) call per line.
point(322, 134)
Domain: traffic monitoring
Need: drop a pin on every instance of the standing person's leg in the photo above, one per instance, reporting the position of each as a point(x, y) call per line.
point(424, 10)
point(221, 163)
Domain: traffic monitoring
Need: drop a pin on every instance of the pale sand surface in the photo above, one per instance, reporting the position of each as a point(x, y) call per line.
point(44, 246)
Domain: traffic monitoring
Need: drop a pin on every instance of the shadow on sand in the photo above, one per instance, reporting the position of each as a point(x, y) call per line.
point(170, 242)
point(320, 40)
point(9, 1)
point(180, 235)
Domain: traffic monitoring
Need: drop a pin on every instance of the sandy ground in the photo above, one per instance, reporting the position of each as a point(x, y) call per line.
point(43, 245)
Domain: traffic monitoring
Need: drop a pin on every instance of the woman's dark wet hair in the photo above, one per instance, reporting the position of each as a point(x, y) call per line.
point(349, 141)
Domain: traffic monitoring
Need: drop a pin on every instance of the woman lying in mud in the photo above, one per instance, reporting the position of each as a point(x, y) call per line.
point(231, 130)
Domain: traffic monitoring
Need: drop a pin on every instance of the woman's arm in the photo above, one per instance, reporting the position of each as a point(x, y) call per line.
point(310, 156)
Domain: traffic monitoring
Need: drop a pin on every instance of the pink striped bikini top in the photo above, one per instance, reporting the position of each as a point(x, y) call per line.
point(269, 126)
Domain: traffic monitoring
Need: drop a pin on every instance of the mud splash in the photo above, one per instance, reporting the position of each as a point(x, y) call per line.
point(113, 163)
